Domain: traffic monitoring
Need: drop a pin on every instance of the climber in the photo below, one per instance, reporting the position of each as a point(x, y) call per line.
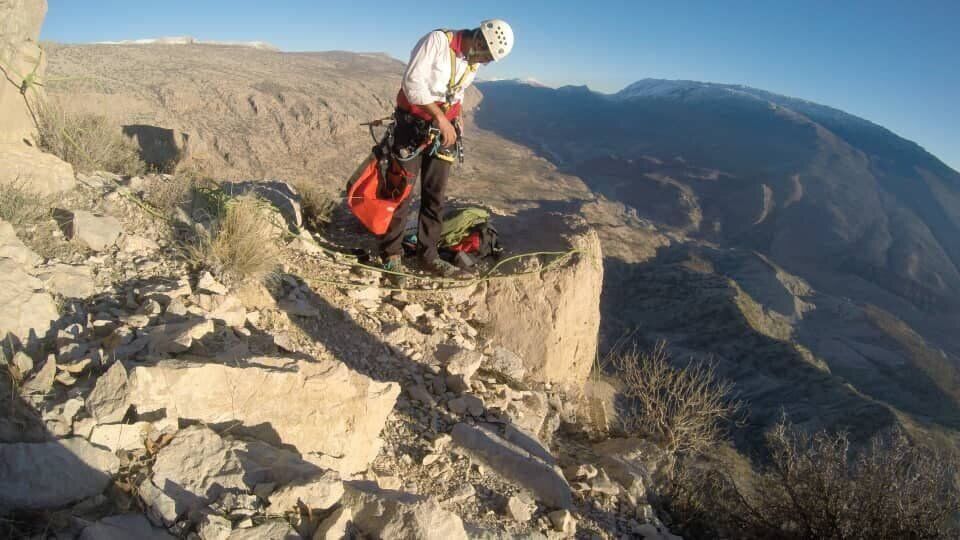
point(442, 65)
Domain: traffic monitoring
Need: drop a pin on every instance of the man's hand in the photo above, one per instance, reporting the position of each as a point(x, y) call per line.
point(447, 130)
point(440, 122)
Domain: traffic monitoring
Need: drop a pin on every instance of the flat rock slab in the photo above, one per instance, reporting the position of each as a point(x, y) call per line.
point(330, 413)
point(27, 308)
point(514, 463)
point(97, 232)
point(41, 172)
point(68, 280)
point(12, 248)
point(198, 465)
point(271, 530)
point(52, 474)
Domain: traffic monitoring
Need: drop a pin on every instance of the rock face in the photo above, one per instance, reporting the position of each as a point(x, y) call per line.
point(20, 22)
point(322, 408)
point(124, 527)
point(550, 319)
point(52, 474)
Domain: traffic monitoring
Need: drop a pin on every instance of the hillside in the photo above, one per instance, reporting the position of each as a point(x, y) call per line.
point(828, 238)
point(777, 185)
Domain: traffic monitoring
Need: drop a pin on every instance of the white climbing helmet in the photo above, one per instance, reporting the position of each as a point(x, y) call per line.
point(499, 37)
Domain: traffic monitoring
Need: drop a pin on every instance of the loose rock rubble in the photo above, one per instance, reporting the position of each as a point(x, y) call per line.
point(319, 405)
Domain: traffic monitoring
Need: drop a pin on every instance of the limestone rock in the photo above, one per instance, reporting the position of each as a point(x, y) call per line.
point(97, 232)
point(70, 281)
point(124, 527)
point(520, 509)
point(563, 521)
point(514, 464)
point(316, 493)
point(23, 362)
point(121, 436)
point(109, 400)
point(335, 526)
point(52, 474)
point(466, 404)
point(460, 368)
point(230, 310)
point(42, 382)
point(635, 463)
point(320, 407)
point(209, 284)
point(214, 527)
point(393, 514)
point(176, 337)
point(271, 530)
point(507, 363)
point(12, 248)
point(27, 309)
point(198, 466)
point(139, 245)
point(21, 53)
point(550, 319)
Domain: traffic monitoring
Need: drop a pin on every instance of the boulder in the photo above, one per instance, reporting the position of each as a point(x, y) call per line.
point(317, 493)
point(330, 413)
point(40, 172)
point(96, 232)
point(68, 280)
point(515, 464)
point(51, 474)
point(550, 318)
point(198, 466)
point(12, 248)
point(124, 527)
point(109, 400)
point(637, 464)
point(27, 308)
point(394, 514)
point(42, 381)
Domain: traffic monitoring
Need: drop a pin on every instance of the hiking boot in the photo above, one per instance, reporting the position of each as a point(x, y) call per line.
point(442, 268)
point(394, 263)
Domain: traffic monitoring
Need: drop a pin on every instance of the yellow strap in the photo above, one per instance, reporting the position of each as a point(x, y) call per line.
point(454, 86)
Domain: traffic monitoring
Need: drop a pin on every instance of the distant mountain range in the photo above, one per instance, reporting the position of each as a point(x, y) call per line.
point(814, 255)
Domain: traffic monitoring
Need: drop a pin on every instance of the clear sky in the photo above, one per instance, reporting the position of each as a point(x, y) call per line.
point(894, 62)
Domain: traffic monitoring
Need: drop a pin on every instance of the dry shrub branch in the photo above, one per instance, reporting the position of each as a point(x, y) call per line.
point(685, 409)
point(817, 486)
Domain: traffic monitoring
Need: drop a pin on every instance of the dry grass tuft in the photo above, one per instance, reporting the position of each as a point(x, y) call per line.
point(317, 204)
point(89, 142)
point(817, 486)
point(242, 242)
point(684, 409)
point(20, 205)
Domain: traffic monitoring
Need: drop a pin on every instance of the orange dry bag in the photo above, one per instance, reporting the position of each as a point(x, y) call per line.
point(364, 197)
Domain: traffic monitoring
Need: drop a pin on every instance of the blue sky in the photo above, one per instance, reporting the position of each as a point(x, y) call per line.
point(896, 63)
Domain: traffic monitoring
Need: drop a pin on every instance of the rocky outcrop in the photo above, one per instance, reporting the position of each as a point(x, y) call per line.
point(20, 22)
point(550, 319)
point(323, 408)
point(22, 60)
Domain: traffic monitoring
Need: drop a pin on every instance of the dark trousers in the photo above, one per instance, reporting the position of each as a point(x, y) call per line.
point(434, 173)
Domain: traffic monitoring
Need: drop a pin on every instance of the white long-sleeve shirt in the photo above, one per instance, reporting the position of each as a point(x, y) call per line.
point(428, 73)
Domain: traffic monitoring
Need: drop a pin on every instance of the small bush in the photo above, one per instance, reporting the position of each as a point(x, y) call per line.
point(89, 142)
point(21, 205)
point(168, 194)
point(317, 204)
point(242, 241)
point(685, 409)
point(815, 486)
